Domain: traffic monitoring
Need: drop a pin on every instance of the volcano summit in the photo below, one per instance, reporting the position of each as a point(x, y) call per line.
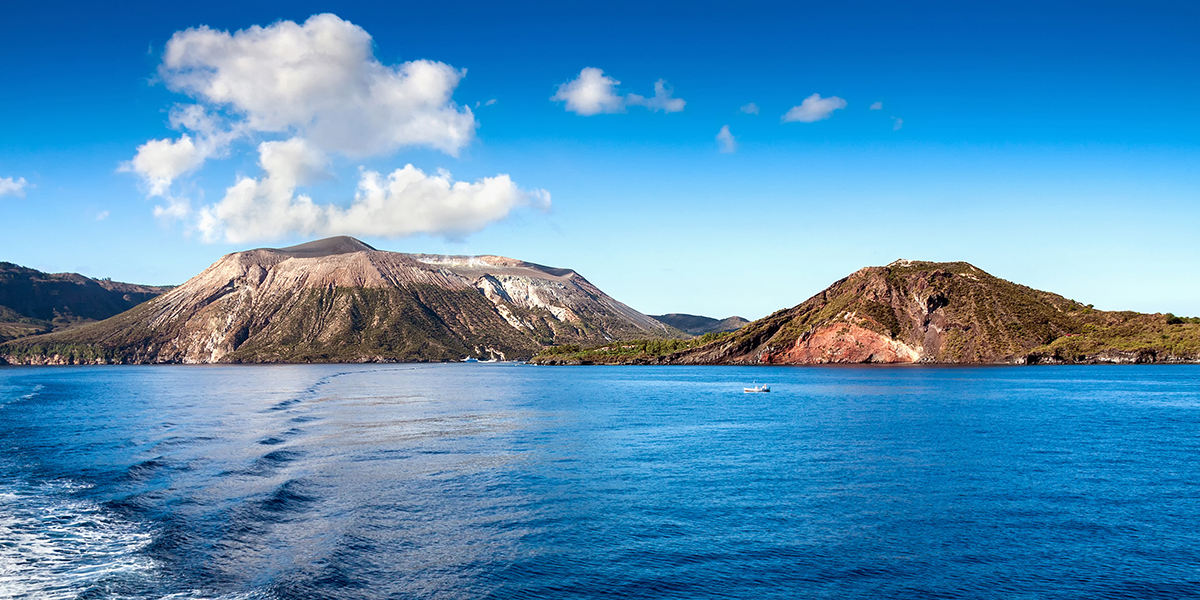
point(340, 300)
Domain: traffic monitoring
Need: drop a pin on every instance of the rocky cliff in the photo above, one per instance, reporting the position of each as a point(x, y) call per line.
point(925, 312)
point(340, 300)
point(33, 302)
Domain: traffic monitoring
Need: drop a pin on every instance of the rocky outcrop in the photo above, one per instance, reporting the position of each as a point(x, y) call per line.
point(340, 300)
point(842, 343)
point(946, 313)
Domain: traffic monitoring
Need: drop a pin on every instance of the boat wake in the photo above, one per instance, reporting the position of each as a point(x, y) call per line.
point(55, 546)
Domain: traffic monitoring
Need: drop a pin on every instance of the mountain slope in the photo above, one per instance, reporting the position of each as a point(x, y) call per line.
point(954, 313)
point(340, 300)
point(698, 325)
point(35, 302)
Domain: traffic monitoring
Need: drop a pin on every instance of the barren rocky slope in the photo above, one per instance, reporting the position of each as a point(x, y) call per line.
point(340, 300)
point(911, 311)
point(33, 302)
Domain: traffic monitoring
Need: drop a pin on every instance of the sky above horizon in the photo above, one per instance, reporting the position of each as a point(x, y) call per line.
point(707, 159)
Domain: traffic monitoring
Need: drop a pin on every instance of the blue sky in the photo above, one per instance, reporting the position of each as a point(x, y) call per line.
point(1052, 144)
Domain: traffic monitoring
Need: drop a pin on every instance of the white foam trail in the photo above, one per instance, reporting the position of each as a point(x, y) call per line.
point(53, 546)
point(197, 595)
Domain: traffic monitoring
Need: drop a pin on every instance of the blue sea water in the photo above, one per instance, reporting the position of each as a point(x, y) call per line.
point(514, 481)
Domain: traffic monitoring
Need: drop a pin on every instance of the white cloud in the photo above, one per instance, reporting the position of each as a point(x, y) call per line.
point(662, 99)
point(750, 109)
point(16, 187)
point(406, 202)
point(312, 91)
point(295, 161)
point(177, 209)
point(726, 140)
point(161, 162)
point(591, 93)
point(897, 123)
point(320, 80)
point(102, 215)
point(876, 106)
point(813, 108)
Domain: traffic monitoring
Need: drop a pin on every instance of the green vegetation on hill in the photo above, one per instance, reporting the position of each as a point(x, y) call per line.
point(1126, 337)
point(33, 302)
point(67, 353)
point(699, 325)
point(630, 352)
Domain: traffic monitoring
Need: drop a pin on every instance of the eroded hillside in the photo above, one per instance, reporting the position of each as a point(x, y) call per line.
point(340, 300)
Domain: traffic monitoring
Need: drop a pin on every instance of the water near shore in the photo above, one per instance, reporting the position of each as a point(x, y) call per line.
point(513, 481)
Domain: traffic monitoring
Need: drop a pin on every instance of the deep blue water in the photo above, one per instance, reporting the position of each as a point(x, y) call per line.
point(513, 481)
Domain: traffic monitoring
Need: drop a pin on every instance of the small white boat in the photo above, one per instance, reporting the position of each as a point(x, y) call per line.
point(758, 389)
point(470, 359)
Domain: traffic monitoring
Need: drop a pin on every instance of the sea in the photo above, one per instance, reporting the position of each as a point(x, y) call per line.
point(518, 481)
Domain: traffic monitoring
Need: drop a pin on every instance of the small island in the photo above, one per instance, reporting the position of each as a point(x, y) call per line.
point(921, 312)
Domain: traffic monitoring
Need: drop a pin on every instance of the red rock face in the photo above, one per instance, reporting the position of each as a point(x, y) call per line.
point(842, 343)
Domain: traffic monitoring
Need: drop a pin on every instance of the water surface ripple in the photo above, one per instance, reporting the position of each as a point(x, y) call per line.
point(513, 481)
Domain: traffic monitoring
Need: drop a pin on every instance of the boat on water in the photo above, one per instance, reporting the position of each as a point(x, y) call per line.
point(758, 389)
point(471, 359)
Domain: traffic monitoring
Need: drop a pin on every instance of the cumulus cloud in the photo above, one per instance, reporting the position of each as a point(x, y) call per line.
point(897, 123)
point(177, 208)
point(161, 162)
point(15, 187)
point(593, 93)
point(750, 109)
point(313, 91)
point(662, 99)
point(876, 106)
point(296, 161)
point(406, 202)
point(322, 81)
point(813, 108)
point(726, 141)
point(319, 80)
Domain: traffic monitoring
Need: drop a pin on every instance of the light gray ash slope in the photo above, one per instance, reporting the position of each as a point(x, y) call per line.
point(340, 300)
